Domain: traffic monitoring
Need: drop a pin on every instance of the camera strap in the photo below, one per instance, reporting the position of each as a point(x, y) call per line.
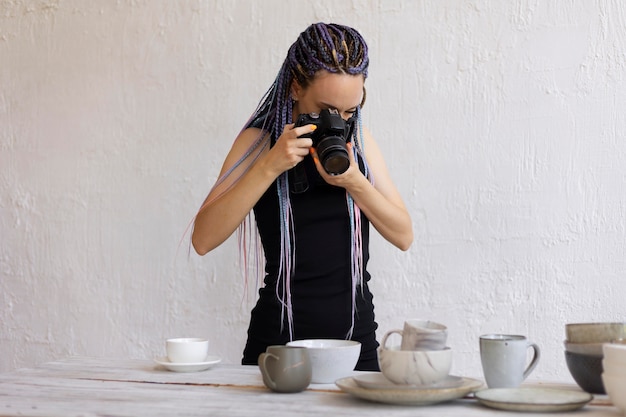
point(298, 181)
point(350, 125)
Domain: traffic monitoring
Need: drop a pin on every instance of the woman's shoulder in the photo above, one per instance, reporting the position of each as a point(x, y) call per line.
point(368, 143)
point(250, 136)
point(248, 142)
point(373, 154)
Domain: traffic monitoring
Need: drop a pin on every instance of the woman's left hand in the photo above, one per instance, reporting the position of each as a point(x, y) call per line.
point(345, 179)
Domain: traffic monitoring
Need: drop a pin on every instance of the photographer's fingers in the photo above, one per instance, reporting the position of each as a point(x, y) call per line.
point(303, 130)
point(318, 165)
point(350, 147)
point(316, 159)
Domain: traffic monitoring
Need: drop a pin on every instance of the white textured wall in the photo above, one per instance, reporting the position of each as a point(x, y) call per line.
point(503, 123)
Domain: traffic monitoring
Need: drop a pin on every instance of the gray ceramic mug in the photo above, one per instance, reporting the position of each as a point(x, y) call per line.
point(285, 368)
point(504, 358)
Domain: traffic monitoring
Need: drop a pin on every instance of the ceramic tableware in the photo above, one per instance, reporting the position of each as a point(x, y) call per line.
point(331, 359)
point(583, 348)
point(187, 349)
point(586, 371)
point(376, 380)
point(533, 399)
point(615, 352)
point(414, 367)
point(600, 332)
point(285, 368)
point(419, 334)
point(615, 388)
point(208, 363)
point(404, 396)
point(504, 357)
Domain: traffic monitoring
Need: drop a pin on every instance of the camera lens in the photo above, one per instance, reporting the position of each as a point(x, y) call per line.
point(333, 155)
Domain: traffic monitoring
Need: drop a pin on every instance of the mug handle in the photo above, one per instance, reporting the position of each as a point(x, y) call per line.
point(266, 375)
point(389, 333)
point(534, 360)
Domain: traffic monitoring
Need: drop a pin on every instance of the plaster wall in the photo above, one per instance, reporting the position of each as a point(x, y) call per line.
point(501, 122)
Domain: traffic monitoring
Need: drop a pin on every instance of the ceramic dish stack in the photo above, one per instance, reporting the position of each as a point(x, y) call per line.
point(584, 351)
point(614, 374)
point(417, 372)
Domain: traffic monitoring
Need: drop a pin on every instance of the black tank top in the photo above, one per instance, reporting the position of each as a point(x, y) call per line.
point(321, 285)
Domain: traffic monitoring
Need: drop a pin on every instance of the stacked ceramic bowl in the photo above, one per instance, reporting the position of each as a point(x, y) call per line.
point(584, 351)
point(614, 374)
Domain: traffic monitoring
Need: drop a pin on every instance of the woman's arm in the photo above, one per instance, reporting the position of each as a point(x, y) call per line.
point(380, 202)
point(227, 205)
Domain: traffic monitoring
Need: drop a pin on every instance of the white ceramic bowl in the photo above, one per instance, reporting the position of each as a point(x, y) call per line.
point(414, 367)
point(331, 359)
point(615, 387)
point(595, 332)
point(615, 353)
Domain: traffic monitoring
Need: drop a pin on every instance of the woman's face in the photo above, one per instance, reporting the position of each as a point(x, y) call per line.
point(341, 92)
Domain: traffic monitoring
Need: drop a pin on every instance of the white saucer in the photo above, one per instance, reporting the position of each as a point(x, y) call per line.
point(377, 380)
point(533, 399)
point(188, 367)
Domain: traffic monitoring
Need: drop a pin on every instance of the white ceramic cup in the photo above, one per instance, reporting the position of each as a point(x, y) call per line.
point(419, 334)
point(187, 349)
point(504, 358)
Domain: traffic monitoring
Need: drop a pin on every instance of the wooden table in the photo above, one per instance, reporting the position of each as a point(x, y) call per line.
point(88, 387)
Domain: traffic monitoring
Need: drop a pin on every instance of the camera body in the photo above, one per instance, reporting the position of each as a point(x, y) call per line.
point(329, 139)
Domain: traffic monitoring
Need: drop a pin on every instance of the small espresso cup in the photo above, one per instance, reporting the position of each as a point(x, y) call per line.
point(504, 358)
point(419, 334)
point(187, 349)
point(285, 368)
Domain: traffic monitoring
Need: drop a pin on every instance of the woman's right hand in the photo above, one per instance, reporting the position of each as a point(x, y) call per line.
point(289, 150)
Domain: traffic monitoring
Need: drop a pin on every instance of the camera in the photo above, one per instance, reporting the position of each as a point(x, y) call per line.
point(330, 138)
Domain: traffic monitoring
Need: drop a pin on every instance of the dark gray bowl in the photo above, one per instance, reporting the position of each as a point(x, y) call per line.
point(586, 371)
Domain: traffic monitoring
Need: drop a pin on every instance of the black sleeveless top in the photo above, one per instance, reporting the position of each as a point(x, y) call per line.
point(321, 284)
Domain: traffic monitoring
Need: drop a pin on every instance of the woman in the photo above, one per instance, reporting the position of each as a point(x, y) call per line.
point(314, 225)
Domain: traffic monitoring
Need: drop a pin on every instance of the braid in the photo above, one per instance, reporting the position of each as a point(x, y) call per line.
point(331, 47)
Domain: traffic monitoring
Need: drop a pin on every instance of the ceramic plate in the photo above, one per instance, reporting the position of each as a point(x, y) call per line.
point(188, 367)
point(405, 396)
point(378, 381)
point(533, 399)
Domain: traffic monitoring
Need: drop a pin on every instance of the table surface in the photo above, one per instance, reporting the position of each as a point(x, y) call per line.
point(86, 387)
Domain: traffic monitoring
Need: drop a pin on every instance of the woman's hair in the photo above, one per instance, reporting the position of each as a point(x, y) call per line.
point(330, 47)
